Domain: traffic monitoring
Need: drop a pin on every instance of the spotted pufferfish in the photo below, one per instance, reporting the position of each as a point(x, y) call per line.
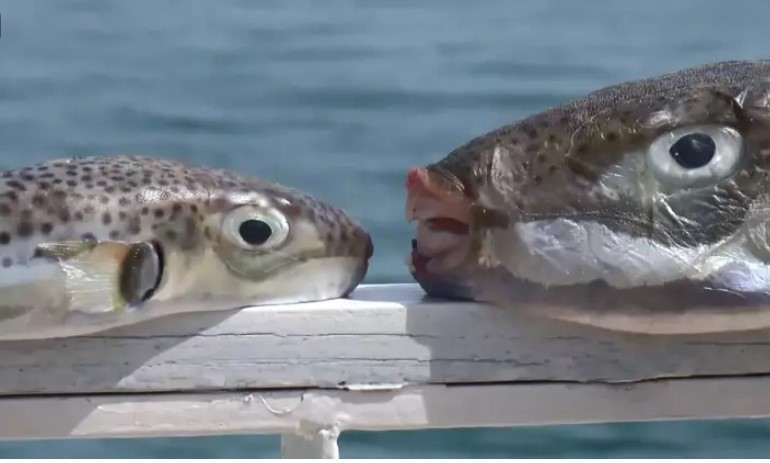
point(642, 207)
point(92, 243)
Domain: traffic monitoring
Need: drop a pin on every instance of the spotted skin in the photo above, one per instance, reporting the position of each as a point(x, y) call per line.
point(136, 198)
point(181, 208)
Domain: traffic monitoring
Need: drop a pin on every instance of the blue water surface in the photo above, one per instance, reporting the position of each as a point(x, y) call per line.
point(338, 98)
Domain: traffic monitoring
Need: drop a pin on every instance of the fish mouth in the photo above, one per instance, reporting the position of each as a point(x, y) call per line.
point(443, 215)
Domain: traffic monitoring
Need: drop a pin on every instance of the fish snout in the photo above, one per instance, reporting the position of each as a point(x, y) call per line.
point(345, 241)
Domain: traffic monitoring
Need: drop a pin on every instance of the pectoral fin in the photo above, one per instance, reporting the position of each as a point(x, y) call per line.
point(105, 276)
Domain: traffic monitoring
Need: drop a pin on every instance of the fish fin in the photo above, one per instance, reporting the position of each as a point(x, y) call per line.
point(104, 276)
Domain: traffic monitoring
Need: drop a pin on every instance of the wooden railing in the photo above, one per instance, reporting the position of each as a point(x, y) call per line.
point(384, 359)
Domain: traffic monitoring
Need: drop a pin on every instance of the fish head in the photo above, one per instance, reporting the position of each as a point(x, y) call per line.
point(263, 243)
point(640, 207)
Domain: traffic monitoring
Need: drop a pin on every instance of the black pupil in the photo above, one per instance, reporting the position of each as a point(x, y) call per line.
point(255, 232)
point(693, 150)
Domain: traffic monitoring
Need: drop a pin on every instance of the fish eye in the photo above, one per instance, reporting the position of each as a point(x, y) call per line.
point(255, 232)
point(693, 150)
point(255, 228)
point(695, 156)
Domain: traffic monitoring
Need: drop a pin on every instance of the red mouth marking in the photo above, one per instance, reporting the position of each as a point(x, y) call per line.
point(439, 211)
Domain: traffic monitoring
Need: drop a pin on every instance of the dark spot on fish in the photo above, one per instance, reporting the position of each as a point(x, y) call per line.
point(132, 184)
point(146, 181)
point(59, 194)
point(89, 186)
point(88, 237)
point(533, 148)
point(24, 229)
point(544, 124)
point(88, 169)
point(171, 235)
point(28, 177)
point(78, 215)
point(57, 181)
point(5, 209)
point(551, 138)
point(7, 262)
point(134, 226)
point(71, 182)
point(537, 179)
point(193, 208)
point(72, 173)
point(541, 158)
point(582, 149)
point(114, 234)
point(107, 218)
point(26, 214)
point(12, 196)
point(159, 213)
point(611, 136)
point(101, 183)
point(64, 215)
point(104, 199)
point(145, 210)
point(16, 184)
point(552, 169)
point(109, 189)
point(47, 175)
point(44, 185)
point(579, 168)
point(5, 238)
point(42, 168)
point(123, 201)
point(46, 228)
point(563, 120)
point(176, 208)
point(122, 215)
point(89, 209)
point(207, 232)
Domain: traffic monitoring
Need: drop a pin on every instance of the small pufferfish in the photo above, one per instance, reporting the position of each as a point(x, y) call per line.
point(92, 243)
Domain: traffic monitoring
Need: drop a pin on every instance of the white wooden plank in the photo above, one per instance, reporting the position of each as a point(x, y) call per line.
point(385, 334)
point(306, 412)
